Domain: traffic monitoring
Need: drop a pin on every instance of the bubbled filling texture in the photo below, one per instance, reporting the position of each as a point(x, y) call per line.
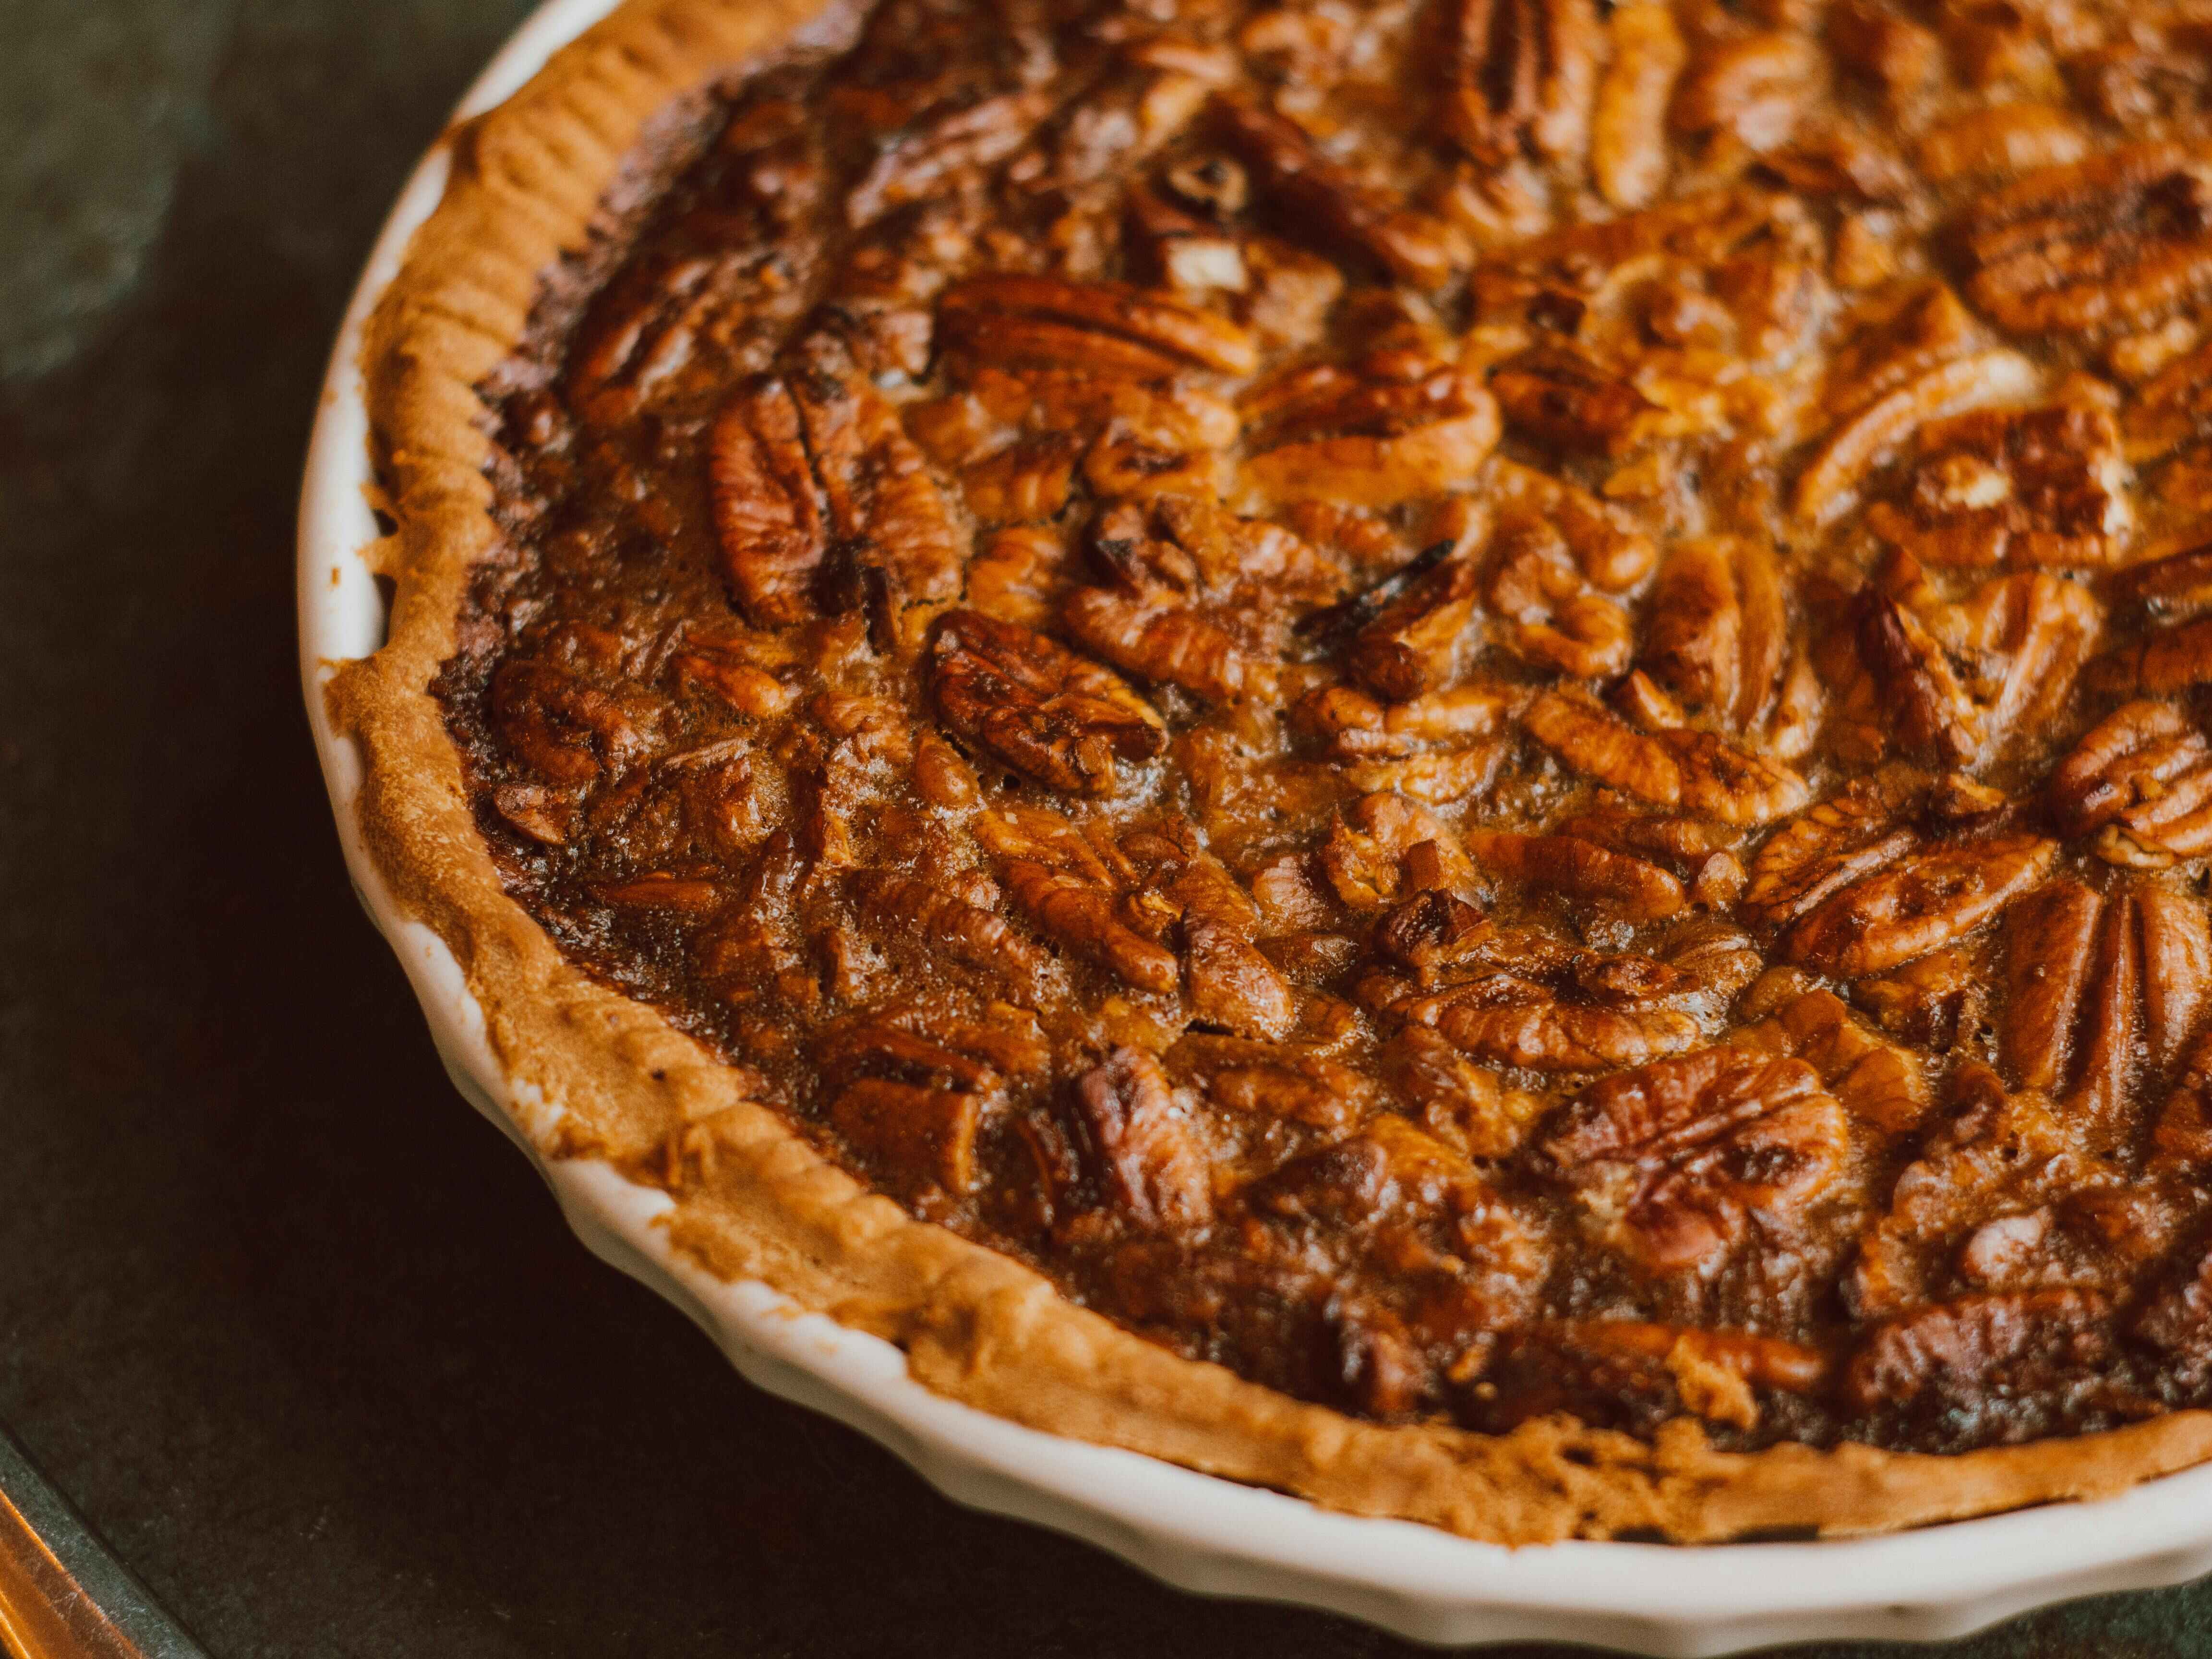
point(1490, 708)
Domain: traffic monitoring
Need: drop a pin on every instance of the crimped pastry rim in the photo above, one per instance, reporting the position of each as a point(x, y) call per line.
point(752, 1200)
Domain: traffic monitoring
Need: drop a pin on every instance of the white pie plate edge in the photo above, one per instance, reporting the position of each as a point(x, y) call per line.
point(1194, 1531)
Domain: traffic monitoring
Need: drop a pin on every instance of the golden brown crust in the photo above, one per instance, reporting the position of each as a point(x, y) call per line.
point(753, 1199)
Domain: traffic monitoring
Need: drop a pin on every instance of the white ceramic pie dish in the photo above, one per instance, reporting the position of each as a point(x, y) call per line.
point(1193, 1530)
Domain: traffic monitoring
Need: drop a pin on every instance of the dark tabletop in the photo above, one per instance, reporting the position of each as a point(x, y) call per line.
point(295, 1329)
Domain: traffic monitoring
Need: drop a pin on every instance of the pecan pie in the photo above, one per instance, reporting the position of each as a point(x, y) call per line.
point(1449, 753)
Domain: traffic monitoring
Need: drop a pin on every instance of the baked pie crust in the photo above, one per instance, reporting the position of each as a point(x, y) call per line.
point(536, 180)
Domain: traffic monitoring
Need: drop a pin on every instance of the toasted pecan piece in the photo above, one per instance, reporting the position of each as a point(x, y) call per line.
point(814, 462)
point(1196, 594)
point(1091, 328)
point(1461, 1104)
point(1895, 337)
point(1086, 918)
point(2124, 237)
point(1161, 638)
point(1718, 630)
point(1877, 1082)
point(1922, 902)
point(1753, 86)
point(2172, 585)
point(1862, 829)
point(1393, 427)
point(1387, 844)
point(939, 920)
point(1354, 724)
point(1508, 1020)
point(1708, 1139)
point(1628, 122)
point(1557, 397)
point(1932, 711)
point(912, 1135)
point(1885, 48)
point(1975, 1344)
point(1140, 1152)
point(1434, 932)
point(1038, 707)
point(881, 504)
point(1957, 682)
point(910, 1105)
point(1709, 777)
point(2173, 408)
point(768, 510)
point(2001, 141)
point(1703, 230)
point(1612, 554)
point(1829, 487)
point(1286, 1080)
point(928, 155)
point(1616, 883)
point(1521, 73)
point(2038, 487)
point(1321, 198)
point(2099, 986)
point(1556, 621)
point(2140, 779)
point(1225, 977)
point(1593, 743)
point(1410, 649)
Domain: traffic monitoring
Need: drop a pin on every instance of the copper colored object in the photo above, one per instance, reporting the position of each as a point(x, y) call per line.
point(62, 1596)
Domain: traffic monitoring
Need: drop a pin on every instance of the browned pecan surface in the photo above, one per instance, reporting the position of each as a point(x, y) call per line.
point(1488, 706)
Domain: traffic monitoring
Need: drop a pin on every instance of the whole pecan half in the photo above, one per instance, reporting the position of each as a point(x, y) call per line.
point(939, 920)
point(1094, 328)
point(1506, 1019)
point(1706, 1141)
point(2101, 987)
point(2121, 237)
point(1864, 828)
point(1959, 683)
point(2140, 780)
point(1522, 75)
point(1628, 150)
point(1088, 920)
point(1286, 1080)
point(1705, 774)
point(1969, 1350)
point(1617, 884)
point(2037, 486)
point(815, 464)
point(1557, 397)
point(1878, 1082)
point(1038, 707)
point(767, 508)
point(1922, 901)
point(926, 157)
point(1718, 630)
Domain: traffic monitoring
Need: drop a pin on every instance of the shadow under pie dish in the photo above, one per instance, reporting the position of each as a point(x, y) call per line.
point(1444, 759)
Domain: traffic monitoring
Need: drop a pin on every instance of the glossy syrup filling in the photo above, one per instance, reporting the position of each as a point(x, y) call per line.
point(1489, 708)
